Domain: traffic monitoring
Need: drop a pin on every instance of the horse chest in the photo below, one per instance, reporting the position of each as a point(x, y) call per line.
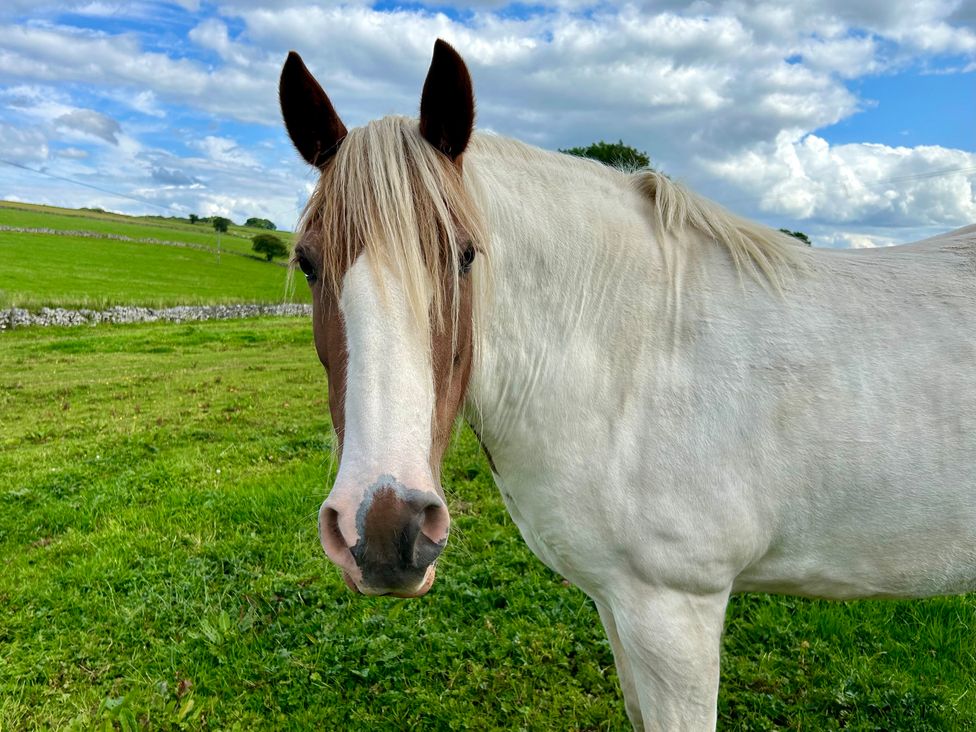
point(543, 534)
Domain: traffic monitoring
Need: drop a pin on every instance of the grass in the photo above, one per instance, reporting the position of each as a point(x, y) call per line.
point(160, 569)
point(38, 270)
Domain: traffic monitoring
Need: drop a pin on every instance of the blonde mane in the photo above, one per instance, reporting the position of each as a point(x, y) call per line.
point(765, 253)
point(755, 248)
point(390, 194)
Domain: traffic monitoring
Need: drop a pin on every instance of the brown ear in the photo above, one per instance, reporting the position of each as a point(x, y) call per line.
point(311, 120)
point(447, 102)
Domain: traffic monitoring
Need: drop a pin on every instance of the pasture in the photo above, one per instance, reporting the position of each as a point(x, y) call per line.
point(62, 270)
point(161, 570)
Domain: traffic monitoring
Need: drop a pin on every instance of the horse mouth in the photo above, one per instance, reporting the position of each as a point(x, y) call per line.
point(347, 578)
point(420, 591)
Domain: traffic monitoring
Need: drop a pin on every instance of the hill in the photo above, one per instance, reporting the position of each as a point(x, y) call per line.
point(55, 257)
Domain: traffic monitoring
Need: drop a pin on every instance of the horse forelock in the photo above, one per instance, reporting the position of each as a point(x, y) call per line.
point(390, 194)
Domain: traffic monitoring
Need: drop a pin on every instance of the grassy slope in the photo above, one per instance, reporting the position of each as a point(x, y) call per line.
point(56, 270)
point(160, 567)
point(237, 239)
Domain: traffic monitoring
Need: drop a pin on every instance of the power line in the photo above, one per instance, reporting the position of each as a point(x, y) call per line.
point(87, 185)
point(929, 174)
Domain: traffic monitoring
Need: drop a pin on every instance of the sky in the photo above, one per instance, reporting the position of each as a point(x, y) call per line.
point(853, 121)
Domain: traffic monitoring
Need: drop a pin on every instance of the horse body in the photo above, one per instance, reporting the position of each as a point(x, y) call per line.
point(677, 404)
point(818, 441)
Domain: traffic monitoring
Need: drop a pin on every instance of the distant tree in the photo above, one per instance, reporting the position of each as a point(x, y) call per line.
point(798, 235)
point(260, 224)
point(194, 218)
point(269, 245)
point(616, 154)
point(220, 225)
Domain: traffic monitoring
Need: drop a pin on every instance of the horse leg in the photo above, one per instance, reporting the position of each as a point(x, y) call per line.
point(631, 701)
point(671, 641)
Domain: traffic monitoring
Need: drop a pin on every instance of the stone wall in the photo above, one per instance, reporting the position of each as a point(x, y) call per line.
point(20, 318)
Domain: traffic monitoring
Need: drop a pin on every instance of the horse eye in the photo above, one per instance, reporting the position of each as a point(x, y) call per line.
point(308, 269)
point(466, 260)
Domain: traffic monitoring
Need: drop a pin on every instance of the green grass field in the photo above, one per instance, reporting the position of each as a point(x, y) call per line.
point(56, 270)
point(161, 570)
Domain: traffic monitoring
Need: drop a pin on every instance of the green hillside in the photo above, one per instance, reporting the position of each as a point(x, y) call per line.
point(29, 215)
point(63, 267)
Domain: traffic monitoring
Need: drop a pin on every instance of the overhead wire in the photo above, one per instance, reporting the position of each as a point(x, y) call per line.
point(143, 201)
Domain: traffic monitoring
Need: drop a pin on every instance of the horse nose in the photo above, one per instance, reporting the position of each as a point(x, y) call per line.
point(399, 533)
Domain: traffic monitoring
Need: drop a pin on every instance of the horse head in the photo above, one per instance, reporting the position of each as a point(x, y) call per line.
point(388, 243)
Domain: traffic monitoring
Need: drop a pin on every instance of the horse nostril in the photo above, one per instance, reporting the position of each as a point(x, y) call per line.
point(329, 532)
point(436, 523)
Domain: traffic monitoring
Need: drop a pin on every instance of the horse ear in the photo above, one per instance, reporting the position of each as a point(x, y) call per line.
point(311, 120)
point(447, 102)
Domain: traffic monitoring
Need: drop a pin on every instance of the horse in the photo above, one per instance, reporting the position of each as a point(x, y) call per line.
point(676, 403)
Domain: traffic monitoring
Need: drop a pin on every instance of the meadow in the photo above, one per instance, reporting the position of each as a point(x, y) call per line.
point(63, 270)
point(161, 570)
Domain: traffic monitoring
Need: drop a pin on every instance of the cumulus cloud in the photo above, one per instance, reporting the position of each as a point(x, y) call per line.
point(225, 150)
point(90, 122)
point(51, 54)
point(144, 102)
point(213, 34)
point(172, 177)
point(878, 185)
point(22, 145)
point(72, 153)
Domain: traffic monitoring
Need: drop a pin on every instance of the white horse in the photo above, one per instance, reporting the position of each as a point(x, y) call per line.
point(677, 404)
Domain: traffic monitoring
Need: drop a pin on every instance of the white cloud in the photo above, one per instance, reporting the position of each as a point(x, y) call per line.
point(808, 179)
point(22, 145)
point(212, 34)
point(144, 102)
point(72, 153)
point(91, 123)
point(225, 150)
point(56, 54)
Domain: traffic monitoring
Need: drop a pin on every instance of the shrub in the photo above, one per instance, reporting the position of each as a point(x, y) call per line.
point(269, 245)
point(260, 223)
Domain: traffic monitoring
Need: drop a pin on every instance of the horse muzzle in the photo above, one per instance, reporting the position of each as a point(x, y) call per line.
point(387, 542)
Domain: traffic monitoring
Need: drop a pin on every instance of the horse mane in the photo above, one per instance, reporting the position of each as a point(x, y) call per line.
point(768, 254)
point(389, 193)
point(753, 247)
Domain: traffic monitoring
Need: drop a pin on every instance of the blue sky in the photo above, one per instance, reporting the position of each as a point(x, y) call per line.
point(852, 121)
point(912, 108)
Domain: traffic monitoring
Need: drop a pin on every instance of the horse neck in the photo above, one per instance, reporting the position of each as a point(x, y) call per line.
point(573, 265)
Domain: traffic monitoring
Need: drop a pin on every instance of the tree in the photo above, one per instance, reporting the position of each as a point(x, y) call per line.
point(798, 235)
point(220, 225)
point(616, 154)
point(269, 245)
point(194, 218)
point(260, 224)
